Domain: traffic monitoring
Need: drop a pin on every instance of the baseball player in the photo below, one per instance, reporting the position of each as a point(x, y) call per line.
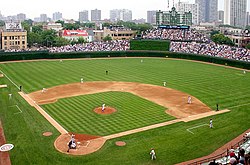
point(164, 83)
point(43, 90)
point(189, 99)
point(211, 123)
point(103, 107)
point(81, 80)
point(152, 153)
point(10, 95)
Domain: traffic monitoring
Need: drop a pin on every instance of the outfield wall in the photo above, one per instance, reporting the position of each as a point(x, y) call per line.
point(14, 56)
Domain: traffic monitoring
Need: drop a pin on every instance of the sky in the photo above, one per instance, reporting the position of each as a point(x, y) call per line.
point(71, 9)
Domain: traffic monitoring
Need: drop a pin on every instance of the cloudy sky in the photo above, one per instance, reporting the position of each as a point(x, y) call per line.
point(71, 8)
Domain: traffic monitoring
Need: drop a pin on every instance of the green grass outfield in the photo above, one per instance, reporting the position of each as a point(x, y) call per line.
point(211, 84)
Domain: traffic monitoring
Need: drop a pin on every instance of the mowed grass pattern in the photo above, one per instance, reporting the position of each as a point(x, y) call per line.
point(173, 144)
point(76, 113)
point(211, 84)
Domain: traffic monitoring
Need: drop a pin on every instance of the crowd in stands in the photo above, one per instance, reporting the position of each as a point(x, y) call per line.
point(211, 49)
point(236, 156)
point(175, 35)
point(114, 45)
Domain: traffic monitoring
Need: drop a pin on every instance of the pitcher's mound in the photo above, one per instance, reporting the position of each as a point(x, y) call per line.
point(107, 110)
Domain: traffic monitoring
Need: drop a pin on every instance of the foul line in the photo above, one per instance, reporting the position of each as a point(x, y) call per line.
point(20, 111)
point(9, 79)
point(239, 105)
point(195, 127)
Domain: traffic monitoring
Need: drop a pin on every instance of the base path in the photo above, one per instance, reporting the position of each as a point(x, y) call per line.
point(174, 101)
point(4, 156)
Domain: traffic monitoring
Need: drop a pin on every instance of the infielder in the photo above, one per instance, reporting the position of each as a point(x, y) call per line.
point(211, 123)
point(152, 153)
point(103, 107)
point(44, 90)
point(81, 80)
point(189, 99)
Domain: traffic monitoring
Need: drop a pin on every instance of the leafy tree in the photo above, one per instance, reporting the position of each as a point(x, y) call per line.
point(59, 41)
point(29, 22)
point(81, 40)
point(107, 38)
point(213, 32)
point(221, 39)
point(88, 25)
point(37, 29)
point(34, 38)
point(70, 26)
point(26, 26)
point(48, 37)
point(106, 24)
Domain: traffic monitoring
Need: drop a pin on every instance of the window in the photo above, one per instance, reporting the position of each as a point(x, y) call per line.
point(23, 42)
point(5, 37)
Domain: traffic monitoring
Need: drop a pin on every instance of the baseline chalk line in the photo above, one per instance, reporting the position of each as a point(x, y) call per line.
point(196, 127)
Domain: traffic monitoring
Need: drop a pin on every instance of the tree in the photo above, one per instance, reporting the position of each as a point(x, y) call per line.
point(59, 41)
point(213, 32)
point(221, 39)
point(88, 25)
point(70, 26)
point(48, 37)
point(37, 29)
point(34, 38)
point(26, 26)
point(81, 40)
point(107, 38)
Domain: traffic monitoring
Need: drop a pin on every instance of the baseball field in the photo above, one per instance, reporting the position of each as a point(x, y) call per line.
point(136, 86)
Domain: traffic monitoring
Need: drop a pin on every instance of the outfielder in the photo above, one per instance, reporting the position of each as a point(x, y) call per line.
point(152, 153)
point(211, 123)
point(10, 95)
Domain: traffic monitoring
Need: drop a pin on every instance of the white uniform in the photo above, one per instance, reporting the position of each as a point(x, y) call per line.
point(152, 153)
point(10, 95)
point(81, 80)
point(103, 107)
point(211, 123)
point(189, 99)
point(164, 83)
point(44, 89)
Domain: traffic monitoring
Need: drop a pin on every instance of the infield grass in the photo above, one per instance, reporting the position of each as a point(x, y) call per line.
point(211, 84)
point(76, 114)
